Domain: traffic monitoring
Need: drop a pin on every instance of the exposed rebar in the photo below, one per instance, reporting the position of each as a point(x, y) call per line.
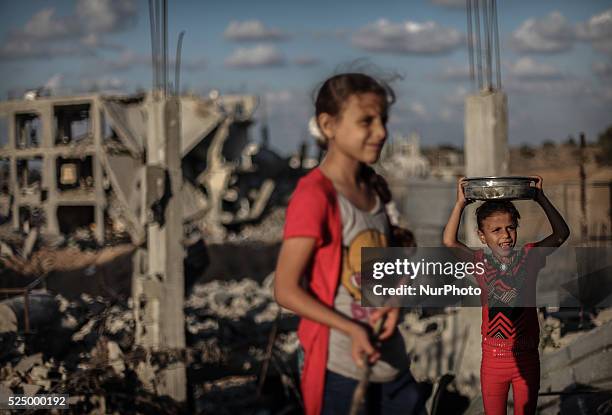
point(478, 45)
point(177, 66)
point(165, 46)
point(152, 22)
point(496, 33)
point(487, 32)
point(470, 39)
point(157, 41)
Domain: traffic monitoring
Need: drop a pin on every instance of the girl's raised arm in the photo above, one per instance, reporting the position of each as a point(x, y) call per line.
point(560, 230)
point(452, 227)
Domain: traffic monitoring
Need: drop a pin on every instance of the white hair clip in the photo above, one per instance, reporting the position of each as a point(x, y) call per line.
point(313, 129)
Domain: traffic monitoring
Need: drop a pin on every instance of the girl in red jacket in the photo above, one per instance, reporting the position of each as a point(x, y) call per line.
point(335, 210)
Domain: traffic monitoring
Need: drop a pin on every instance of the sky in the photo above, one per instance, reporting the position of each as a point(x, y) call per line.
point(556, 58)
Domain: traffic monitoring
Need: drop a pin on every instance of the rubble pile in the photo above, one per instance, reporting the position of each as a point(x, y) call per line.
point(230, 325)
point(89, 353)
point(269, 230)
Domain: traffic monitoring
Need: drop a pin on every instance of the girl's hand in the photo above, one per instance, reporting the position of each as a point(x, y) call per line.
point(461, 192)
point(390, 323)
point(538, 186)
point(361, 346)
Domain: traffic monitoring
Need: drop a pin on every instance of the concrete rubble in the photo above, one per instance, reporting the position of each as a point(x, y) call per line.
point(89, 353)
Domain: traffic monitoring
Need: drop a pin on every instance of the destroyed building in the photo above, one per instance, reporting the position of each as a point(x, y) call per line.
point(78, 162)
point(75, 168)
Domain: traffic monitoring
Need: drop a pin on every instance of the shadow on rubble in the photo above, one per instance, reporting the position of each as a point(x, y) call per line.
point(83, 348)
point(241, 366)
point(579, 398)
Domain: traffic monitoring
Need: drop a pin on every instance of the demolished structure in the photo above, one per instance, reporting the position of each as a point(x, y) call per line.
point(163, 172)
point(75, 162)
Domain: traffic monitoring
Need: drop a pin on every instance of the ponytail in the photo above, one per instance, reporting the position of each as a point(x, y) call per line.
point(400, 237)
point(377, 182)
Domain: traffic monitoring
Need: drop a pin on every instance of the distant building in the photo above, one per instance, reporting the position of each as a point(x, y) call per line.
point(403, 158)
point(447, 162)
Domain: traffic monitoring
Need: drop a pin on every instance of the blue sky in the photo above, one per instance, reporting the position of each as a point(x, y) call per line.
point(556, 57)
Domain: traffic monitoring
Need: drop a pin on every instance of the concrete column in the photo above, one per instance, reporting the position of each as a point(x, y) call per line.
point(486, 146)
point(49, 171)
point(173, 319)
point(13, 170)
point(159, 287)
point(96, 130)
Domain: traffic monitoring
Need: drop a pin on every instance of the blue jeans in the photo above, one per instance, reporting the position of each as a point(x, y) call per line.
point(401, 396)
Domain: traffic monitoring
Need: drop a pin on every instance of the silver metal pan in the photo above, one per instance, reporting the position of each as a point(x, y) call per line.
point(499, 188)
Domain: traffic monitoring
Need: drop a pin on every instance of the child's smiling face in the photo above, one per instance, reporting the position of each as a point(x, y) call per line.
point(498, 231)
point(360, 131)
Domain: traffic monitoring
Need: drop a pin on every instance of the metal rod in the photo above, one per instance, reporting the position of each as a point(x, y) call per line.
point(468, 4)
point(497, 58)
point(487, 33)
point(478, 46)
point(490, 36)
point(153, 43)
point(583, 201)
point(610, 203)
point(165, 45)
point(177, 64)
point(157, 43)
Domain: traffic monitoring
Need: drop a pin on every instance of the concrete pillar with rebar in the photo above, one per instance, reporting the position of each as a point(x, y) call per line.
point(486, 144)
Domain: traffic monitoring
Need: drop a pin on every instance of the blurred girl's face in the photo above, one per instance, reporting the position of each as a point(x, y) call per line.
point(360, 130)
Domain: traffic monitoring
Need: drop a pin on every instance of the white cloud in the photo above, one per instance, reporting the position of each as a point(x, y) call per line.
point(252, 30)
point(105, 16)
point(278, 97)
point(105, 83)
point(46, 35)
point(528, 69)
point(46, 26)
point(409, 37)
point(255, 57)
point(597, 31)
point(418, 109)
point(551, 34)
point(23, 49)
point(54, 82)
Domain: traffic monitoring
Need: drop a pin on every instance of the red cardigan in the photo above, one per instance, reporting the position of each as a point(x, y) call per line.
point(313, 211)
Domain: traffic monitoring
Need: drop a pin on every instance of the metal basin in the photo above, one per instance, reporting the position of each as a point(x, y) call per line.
point(499, 188)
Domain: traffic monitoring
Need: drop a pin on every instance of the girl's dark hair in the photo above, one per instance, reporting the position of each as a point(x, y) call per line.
point(331, 98)
point(334, 92)
point(493, 206)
